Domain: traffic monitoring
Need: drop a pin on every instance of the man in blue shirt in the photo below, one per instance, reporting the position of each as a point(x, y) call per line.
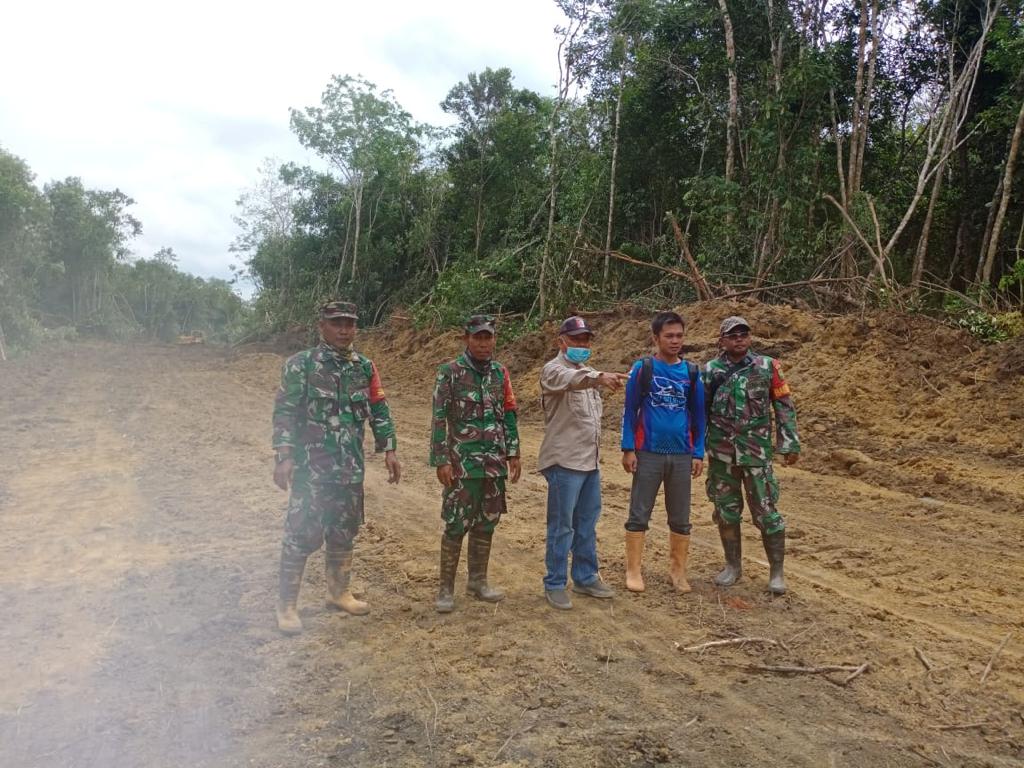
point(662, 442)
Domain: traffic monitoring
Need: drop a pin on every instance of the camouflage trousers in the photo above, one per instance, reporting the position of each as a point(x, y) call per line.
point(322, 511)
point(473, 503)
point(728, 483)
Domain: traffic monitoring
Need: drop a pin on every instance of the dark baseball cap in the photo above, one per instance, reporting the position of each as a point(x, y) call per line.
point(477, 323)
point(574, 326)
point(338, 309)
point(731, 324)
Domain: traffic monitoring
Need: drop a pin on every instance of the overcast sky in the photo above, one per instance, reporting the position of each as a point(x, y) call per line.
point(178, 104)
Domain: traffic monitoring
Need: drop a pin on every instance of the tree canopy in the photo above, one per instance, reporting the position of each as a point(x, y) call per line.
point(866, 149)
point(66, 268)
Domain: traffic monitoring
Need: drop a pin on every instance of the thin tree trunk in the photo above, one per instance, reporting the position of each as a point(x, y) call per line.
point(359, 221)
point(987, 234)
point(926, 228)
point(997, 227)
point(552, 199)
point(478, 226)
point(700, 285)
point(611, 182)
point(344, 251)
point(732, 121)
point(865, 107)
point(1020, 239)
point(565, 80)
point(858, 92)
point(958, 250)
point(839, 148)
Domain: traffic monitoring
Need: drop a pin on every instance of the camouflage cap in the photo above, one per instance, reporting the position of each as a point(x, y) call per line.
point(477, 323)
point(338, 309)
point(730, 323)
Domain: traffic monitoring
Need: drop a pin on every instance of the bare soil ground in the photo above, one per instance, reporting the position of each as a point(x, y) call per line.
point(139, 532)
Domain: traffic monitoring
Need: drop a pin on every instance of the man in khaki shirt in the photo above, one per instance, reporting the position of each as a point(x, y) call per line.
point(569, 462)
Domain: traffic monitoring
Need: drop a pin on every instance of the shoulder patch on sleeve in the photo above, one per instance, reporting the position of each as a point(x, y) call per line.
point(779, 386)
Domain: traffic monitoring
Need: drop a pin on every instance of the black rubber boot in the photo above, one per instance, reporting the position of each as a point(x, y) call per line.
point(292, 566)
point(775, 549)
point(732, 544)
point(450, 551)
point(478, 553)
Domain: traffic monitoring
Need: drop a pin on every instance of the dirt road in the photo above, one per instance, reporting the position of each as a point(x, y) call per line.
point(139, 531)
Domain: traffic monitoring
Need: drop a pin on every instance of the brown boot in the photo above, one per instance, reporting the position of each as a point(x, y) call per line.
point(679, 553)
point(292, 566)
point(478, 552)
point(634, 560)
point(732, 544)
point(338, 568)
point(451, 549)
point(775, 549)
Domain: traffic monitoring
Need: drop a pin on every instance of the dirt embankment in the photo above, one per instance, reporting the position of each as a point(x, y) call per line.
point(139, 532)
point(899, 400)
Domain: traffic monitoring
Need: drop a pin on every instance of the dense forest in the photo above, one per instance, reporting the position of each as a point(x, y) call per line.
point(66, 268)
point(866, 150)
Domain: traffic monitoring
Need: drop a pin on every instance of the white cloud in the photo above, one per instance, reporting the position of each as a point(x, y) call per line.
point(177, 105)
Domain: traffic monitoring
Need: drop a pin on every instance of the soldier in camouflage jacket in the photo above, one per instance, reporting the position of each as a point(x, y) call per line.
point(474, 445)
point(742, 390)
point(327, 394)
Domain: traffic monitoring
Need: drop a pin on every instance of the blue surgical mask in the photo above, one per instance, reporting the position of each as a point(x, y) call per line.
point(578, 355)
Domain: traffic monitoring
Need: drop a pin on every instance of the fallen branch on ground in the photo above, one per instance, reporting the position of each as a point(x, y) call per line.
point(733, 641)
point(511, 736)
point(516, 732)
point(856, 673)
point(788, 670)
point(961, 726)
point(799, 284)
point(994, 657)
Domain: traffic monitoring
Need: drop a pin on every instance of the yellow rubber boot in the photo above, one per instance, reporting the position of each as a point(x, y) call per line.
point(679, 553)
point(338, 571)
point(634, 560)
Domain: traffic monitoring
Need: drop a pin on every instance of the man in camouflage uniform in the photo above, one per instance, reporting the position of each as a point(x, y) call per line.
point(741, 390)
point(327, 394)
point(474, 445)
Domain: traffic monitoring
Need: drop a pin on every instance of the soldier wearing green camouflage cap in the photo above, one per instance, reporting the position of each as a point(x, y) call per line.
point(743, 390)
point(475, 446)
point(327, 395)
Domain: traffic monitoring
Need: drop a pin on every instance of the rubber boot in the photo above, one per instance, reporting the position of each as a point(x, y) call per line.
point(450, 551)
point(292, 566)
point(733, 546)
point(338, 569)
point(775, 549)
point(478, 553)
point(679, 553)
point(634, 560)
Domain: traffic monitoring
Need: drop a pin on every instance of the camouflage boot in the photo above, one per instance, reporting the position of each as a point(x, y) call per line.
point(733, 546)
point(450, 551)
point(338, 569)
point(478, 553)
point(292, 566)
point(775, 549)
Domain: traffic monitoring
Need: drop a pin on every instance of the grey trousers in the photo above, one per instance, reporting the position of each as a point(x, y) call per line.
point(653, 469)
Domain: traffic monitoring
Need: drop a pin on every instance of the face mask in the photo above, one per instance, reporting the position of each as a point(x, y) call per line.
point(577, 355)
